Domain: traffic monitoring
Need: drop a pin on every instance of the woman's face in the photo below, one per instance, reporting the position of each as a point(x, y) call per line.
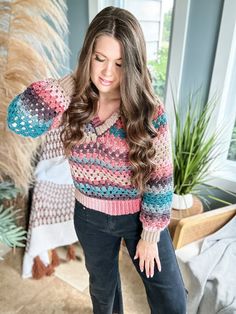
point(106, 65)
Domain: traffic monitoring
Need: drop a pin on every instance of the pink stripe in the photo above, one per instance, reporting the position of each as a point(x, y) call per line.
point(110, 207)
point(80, 177)
point(100, 182)
point(163, 172)
point(110, 141)
point(167, 169)
point(159, 111)
point(87, 173)
point(155, 223)
point(52, 96)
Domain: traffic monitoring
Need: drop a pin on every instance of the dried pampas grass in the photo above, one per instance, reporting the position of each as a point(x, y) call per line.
point(32, 48)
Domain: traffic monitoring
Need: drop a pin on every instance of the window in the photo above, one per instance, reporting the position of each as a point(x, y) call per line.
point(224, 82)
point(155, 19)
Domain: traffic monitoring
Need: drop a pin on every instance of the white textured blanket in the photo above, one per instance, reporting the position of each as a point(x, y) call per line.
point(213, 274)
point(51, 217)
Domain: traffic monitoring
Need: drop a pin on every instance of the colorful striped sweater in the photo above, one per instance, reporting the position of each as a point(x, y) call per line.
point(99, 164)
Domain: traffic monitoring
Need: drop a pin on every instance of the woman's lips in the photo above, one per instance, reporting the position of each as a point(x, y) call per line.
point(105, 82)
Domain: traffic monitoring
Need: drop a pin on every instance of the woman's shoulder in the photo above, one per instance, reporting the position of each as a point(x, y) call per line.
point(65, 84)
point(159, 109)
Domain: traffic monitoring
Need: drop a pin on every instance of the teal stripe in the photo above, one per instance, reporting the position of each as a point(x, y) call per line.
point(95, 161)
point(117, 132)
point(109, 192)
point(120, 132)
point(157, 200)
point(161, 120)
point(22, 122)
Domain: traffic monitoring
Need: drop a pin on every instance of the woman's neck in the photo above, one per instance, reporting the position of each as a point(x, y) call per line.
point(108, 102)
point(107, 106)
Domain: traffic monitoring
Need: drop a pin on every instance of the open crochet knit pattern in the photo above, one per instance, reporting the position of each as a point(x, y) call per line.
point(99, 164)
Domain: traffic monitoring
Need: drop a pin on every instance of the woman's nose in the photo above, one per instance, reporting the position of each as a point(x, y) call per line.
point(108, 69)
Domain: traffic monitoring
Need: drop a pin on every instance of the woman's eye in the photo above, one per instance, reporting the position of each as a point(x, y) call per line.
point(98, 59)
point(102, 60)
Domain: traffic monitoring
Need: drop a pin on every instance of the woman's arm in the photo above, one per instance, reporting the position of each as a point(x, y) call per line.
point(157, 198)
point(40, 107)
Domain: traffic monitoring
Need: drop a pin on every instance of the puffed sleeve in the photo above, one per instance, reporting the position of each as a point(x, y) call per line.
point(158, 194)
point(40, 106)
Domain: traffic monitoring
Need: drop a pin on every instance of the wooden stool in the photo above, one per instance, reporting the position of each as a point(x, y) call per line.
point(177, 215)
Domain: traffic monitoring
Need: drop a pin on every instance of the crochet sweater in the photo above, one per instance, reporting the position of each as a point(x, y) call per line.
point(99, 164)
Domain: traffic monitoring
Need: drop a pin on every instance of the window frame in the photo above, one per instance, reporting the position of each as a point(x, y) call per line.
point(177, 46)
point(222, 76)
point(222, 72)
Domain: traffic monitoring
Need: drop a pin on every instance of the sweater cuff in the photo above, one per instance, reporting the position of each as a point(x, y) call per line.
point(151, 236)
point(68, 84)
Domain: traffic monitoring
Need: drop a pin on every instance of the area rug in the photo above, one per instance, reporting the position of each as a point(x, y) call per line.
point(73, 272)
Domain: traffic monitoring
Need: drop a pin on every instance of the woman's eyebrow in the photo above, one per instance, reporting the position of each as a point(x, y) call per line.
point(105, 55)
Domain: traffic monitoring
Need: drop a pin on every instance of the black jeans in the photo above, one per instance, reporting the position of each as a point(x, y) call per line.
point(100, 236)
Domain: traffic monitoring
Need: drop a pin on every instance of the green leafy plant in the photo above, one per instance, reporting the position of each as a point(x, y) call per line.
point(158, 71)
point(8, 191)
point(10, 233)
point(194, 151)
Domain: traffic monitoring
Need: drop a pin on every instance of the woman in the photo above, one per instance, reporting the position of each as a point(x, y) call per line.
point(115, 135)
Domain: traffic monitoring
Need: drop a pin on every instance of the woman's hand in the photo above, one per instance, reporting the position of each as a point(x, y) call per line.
point(148, 255)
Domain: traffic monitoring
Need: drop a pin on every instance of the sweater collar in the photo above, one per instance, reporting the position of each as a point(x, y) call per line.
point(102, 126)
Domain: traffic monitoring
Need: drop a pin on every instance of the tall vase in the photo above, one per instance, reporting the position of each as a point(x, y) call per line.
point(182, 202)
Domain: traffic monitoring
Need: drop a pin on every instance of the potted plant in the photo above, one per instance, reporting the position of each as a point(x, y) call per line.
point(194, 150)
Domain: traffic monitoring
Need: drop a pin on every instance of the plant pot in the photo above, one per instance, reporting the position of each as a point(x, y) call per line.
point(181, 202)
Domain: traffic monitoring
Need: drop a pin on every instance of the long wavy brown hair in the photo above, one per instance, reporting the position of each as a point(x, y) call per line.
point(138, 101)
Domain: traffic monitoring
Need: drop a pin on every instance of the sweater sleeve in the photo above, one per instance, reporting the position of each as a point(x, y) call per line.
point(158, 194)
point(39, 107)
